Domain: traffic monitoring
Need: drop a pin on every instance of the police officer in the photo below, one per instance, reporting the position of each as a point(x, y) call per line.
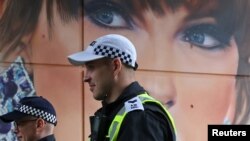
point(128, 113)
point(34, 118)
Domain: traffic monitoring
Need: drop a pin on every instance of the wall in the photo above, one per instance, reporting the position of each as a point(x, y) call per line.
point(192, 58)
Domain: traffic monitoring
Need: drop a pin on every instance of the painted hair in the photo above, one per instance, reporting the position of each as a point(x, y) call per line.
point(20, 18)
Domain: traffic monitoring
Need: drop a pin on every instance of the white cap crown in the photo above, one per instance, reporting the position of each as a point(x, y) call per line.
point(111, 46)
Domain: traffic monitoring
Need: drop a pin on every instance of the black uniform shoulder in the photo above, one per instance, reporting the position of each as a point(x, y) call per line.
point(152, 122)
point(155, 110)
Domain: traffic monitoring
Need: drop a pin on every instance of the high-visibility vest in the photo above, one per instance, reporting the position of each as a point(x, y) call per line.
point(135, 103)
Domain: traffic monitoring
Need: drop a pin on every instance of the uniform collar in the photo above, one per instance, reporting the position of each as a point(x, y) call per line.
point(48, 138)
point(130, 91)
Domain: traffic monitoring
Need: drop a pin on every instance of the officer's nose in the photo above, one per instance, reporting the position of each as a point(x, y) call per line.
point(16, 130)
point(86, 79)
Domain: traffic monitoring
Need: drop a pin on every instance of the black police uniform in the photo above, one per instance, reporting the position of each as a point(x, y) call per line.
point(152, 124)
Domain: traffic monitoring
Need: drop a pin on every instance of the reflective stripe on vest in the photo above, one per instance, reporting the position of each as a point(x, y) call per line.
point(116, 123)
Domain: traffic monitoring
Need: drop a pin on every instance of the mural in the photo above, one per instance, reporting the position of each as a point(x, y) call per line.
point(14, 85)
point(193, 56)
point(42, 33)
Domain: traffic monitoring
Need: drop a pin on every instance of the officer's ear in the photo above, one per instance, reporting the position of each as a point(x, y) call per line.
point(117, 65)
point(40, 123)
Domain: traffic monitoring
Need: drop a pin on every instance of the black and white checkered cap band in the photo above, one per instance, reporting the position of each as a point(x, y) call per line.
point(111, 52)
point(37, 113)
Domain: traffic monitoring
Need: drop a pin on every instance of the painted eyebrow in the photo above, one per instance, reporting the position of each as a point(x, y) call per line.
point(198, 14)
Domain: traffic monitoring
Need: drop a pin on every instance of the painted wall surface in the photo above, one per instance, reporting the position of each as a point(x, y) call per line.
point(193, 56)
point(44, 47)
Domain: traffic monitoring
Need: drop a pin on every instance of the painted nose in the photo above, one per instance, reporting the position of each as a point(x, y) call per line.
point(169, 95)
point(165, 90)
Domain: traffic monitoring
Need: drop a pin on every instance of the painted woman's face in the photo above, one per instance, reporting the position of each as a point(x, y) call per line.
point(186, 61)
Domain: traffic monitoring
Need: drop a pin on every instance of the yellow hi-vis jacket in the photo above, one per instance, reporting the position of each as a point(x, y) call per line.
point(130, 106)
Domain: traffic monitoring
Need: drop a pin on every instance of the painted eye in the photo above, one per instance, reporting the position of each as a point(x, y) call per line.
point(109, 18)
point(201, 39)
point(108, 14)
point(206, 36)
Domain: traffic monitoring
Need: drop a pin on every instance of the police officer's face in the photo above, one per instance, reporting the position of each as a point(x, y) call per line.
point(99, 77)
point(25, 129)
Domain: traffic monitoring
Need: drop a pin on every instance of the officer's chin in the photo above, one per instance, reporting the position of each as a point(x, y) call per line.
point(100, 98)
